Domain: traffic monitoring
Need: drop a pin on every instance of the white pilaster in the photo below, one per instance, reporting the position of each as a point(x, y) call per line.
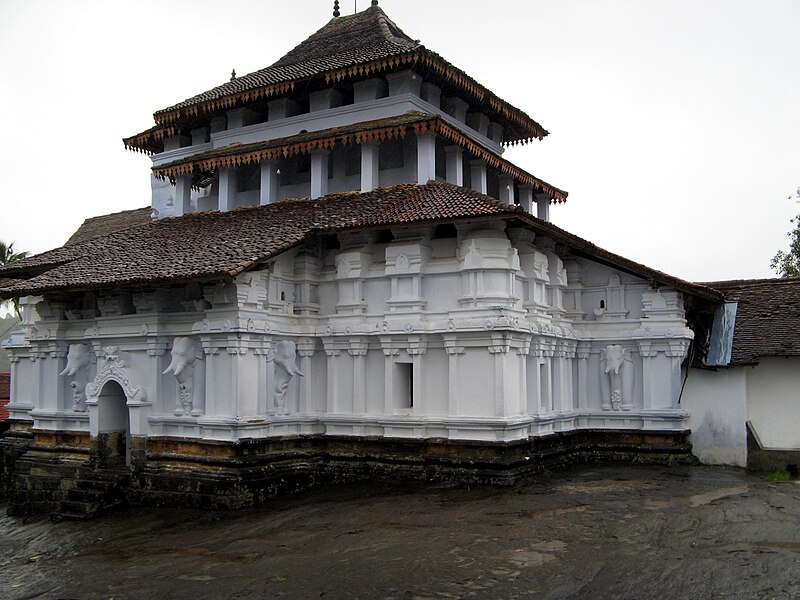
point(370, 89)
point(426, 157)
point(306, 396)
point(227, 188)
point(477, 170)
point(282, 108)
point(432, 94)
point(583, 375)
point(543, 207)
point(199, 136)
point(358, 350)
point(319, 173)
point(454, 156)
point(526, 198)
point(453, 379)
point(404, 82)
point(269, 182)
point(369, 167)
point(324, 99)
point(241, 117)
point(456, 108)
point(507, 189)
point(332, 395)
point(479, 122)
point(183, 194)
point(389, 354)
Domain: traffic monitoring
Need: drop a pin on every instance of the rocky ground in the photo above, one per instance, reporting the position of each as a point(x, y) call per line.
point(610, 532)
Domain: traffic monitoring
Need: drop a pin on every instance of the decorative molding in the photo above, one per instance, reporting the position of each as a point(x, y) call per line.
point(114, 368)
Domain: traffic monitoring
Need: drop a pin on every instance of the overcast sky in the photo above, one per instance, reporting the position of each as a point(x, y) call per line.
point(674, 125)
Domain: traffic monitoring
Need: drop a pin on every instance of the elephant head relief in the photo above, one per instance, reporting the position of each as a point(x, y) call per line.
point(185, 352)
point(79, 359)
point(285, 369)
point(613, 361)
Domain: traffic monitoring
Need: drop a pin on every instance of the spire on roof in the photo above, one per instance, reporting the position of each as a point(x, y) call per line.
point(335, 8)
point(233, 74)
point(374, 2)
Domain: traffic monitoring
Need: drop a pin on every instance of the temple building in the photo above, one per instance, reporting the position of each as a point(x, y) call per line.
point(339, 277)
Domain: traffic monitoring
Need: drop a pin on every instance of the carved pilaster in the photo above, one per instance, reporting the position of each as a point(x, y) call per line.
point(306, 348)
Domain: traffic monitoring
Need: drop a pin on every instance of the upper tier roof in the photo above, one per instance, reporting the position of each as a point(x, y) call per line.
point(207, 246)
point(392, 128)
point(360, 45)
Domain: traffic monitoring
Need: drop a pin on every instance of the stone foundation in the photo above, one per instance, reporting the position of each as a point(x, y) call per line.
point(49, 475)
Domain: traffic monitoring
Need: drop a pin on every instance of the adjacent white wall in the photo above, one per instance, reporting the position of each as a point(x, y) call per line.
point(716, 403)
point(773, 401)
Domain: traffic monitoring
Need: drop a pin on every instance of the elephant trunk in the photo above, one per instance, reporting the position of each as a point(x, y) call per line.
point(173, 369)
point(69, 371)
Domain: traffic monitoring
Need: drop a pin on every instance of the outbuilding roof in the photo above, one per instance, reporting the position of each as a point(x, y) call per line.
point(361, 45)
point(205, 246)
point(767, 318)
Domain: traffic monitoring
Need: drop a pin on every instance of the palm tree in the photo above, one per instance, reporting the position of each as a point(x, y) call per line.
point(8, 256)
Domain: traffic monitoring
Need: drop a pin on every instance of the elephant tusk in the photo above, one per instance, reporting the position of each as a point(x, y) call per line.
point(169, 369)
point(69, 371)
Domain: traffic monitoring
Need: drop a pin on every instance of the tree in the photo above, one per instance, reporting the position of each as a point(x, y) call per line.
point(787, 264)
point(8, 256)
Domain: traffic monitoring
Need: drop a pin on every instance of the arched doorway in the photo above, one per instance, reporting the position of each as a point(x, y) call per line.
point(113, 424)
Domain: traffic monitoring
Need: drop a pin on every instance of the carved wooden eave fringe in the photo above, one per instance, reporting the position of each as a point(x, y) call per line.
point(531, 130)
point(238, 156)
point(276, 89)
point(454, 135)
point(141, 141)
point(453, 75)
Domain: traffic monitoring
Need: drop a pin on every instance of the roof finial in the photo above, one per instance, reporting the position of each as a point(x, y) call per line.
point(233, 74)
point(335, 8)
point(374, 2)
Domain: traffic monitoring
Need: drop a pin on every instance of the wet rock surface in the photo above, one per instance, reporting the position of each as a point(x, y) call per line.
point(621, 532)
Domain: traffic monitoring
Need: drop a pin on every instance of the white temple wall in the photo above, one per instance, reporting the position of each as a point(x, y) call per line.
point(458, 327)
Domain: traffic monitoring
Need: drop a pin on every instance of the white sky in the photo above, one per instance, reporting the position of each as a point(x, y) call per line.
point(674, 124)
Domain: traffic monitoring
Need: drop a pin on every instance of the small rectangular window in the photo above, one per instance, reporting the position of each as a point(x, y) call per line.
point(404, 385)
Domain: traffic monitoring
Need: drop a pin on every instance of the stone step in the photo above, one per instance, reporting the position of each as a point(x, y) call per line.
point(78, 507)
point(87, 495)
point(103, 485)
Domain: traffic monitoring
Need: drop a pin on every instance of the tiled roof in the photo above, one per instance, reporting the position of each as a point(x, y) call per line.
point(366, 43)
point(767, 317)
point(370, 131)
point(365, 36)
point(105, 224)
point(219, 245)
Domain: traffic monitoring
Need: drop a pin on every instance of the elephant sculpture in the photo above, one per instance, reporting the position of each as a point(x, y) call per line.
point(614, 361)
point(285, 370)
point(185, 352)
point(79, 358)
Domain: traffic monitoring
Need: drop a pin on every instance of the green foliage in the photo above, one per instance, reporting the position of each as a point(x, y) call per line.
point(8, 256)
point(787, 264)
point(778, 476)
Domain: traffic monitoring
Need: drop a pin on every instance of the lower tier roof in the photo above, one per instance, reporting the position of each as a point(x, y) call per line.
point(213, 245)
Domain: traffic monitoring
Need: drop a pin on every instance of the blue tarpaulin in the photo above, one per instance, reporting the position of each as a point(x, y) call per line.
point(721, 343)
